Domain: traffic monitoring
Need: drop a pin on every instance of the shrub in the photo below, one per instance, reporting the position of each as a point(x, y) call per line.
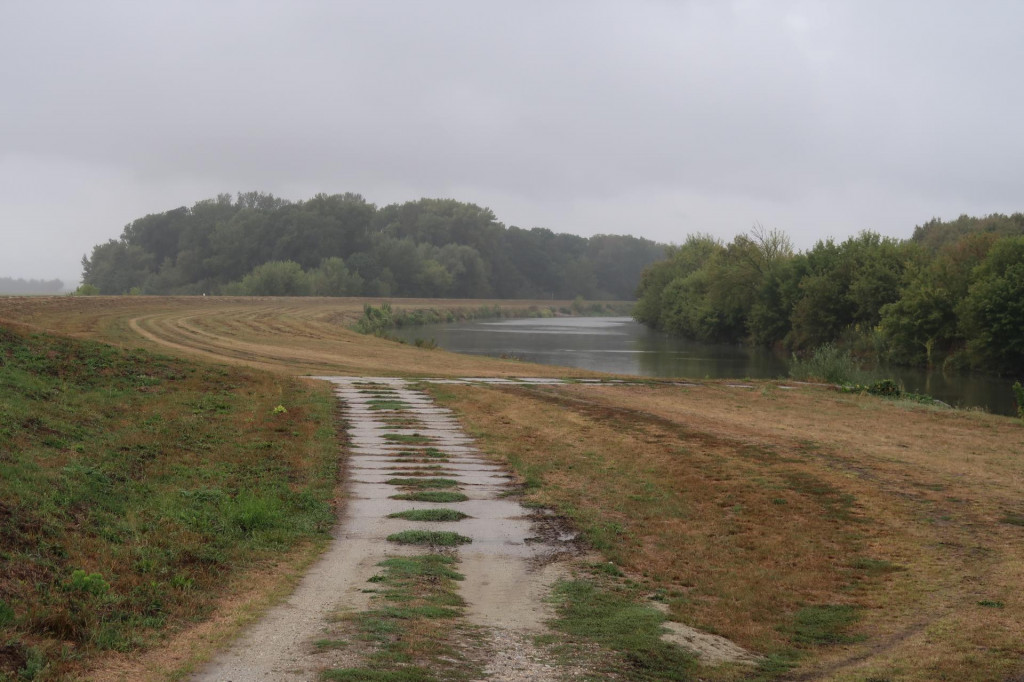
point(274, 278)
point(828, 363)
point(88, 583)
point(885, 387)
point(375, 320)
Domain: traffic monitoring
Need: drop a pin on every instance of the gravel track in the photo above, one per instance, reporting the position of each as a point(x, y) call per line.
point(506, 576)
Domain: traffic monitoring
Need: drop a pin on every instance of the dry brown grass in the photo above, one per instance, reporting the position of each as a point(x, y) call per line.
point(745, 505)
point(748, 505)
point(291, 335)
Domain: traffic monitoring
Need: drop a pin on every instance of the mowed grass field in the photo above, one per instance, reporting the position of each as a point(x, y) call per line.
point(286, 335)
point(845, 537)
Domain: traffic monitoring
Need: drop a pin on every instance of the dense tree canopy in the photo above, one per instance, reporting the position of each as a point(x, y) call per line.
point(954, 292)
point(341, 245)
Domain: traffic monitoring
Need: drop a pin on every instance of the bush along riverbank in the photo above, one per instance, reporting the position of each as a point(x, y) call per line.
point(947, 297)
point(135, 489)
point(833, 365)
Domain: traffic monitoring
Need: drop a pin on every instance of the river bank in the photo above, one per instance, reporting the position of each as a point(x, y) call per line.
point(623, 346)
point(835, 535)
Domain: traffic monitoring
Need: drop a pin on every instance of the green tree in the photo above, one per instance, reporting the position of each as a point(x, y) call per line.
point(844, 288)
point(469, 272)
point(116, 267)
point(617, 262)
point(992, 314)
point(276, 278)
point(333, 278)
point(688, 310)
point(425, 247)
point(920, 323)
point(432, 279)
point(747, 278)
point(654, 297)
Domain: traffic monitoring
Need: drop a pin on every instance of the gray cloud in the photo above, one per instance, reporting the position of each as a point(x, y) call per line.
point(652, 118)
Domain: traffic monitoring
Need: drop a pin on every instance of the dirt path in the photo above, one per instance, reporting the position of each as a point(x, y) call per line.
point(507, 572)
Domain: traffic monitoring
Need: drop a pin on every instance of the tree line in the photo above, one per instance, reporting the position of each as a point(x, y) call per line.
point(342, 245)
point(9, 285)
point(951, 295)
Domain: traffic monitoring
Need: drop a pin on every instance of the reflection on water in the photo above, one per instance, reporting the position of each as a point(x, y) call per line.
point(622, 346)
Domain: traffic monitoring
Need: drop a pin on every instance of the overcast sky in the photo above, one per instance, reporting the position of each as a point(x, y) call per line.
point(656, 119)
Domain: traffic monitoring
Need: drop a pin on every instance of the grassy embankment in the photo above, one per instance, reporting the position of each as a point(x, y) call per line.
point(288, 335)
point(136, 492)
point(847, 537)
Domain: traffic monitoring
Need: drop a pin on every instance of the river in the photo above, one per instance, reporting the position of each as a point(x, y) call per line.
point(622, 346)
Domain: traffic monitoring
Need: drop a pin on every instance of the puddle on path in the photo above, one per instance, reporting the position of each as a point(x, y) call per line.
point(508, 567)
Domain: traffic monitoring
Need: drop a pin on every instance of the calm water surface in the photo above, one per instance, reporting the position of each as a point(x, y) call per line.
point(622, 346)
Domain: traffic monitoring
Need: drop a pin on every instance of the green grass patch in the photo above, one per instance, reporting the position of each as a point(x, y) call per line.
point(423, 482)
point(615, 621)
point(384, 404)
point(409, 674)
point(425, 455)
point(408, 438)
point(825, 624)
point(412, 625)
point(607, 568)
point(400, 422)
point(439, 538)
point(432, 567)
point(429, 515)
point(442, 496)
point(135, 487)
point(1014, 519)
point(875, 567)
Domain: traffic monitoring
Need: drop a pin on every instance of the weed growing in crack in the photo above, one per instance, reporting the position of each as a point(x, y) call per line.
point(429, 515)
point(408, 674)
point(431, 496)
point(413, 623)
point(408, 439)
point(437, 538)
point(423, 482)
point(391, 405)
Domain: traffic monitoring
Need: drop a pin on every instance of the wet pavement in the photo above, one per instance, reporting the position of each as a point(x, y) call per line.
point(397, 432)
